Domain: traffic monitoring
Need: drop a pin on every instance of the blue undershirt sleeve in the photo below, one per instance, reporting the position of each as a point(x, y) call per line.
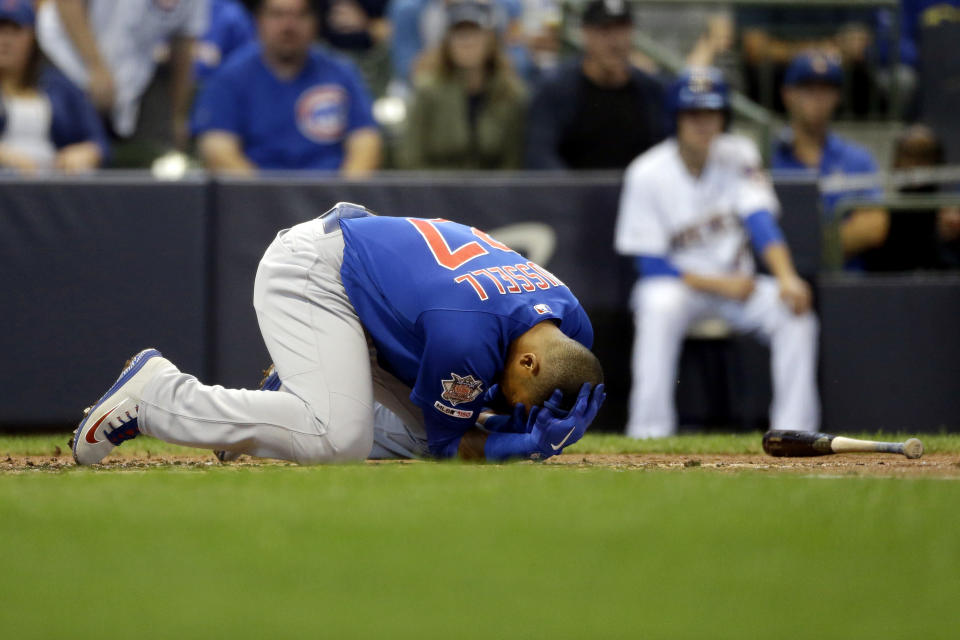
point(649, 266)
point(763, 229)
point(506, 446)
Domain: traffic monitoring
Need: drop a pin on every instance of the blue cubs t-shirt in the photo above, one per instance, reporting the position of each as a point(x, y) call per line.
point(300, 123)
point(442, 302)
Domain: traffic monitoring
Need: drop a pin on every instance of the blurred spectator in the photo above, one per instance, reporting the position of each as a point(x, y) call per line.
point(772, 36)
point(469, 106)
point(107, 47)
point(917, 238)
point(703, 37)
point(359, 29)
point(230, 28)
point(599, 112)
point(689, 210)
point(283, 103)
point(419, 25)
point(541, 22)
point(45, 122)
point(811, 93)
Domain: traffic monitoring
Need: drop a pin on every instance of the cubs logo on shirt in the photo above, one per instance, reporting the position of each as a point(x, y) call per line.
point(461, 389)
point(321, 113)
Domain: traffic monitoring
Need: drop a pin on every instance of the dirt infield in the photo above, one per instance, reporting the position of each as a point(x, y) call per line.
point(931, 465)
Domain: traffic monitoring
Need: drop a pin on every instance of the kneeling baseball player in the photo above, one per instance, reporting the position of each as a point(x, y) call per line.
point(689, 209)
point(391, 337)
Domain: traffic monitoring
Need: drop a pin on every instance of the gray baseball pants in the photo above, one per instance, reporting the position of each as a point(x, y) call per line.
point(335, 405)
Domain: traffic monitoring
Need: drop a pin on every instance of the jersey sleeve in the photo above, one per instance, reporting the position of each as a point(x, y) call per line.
point(461, 359)
point(576, 325)
point(198, 20)
point(863, 163)
point(754, 188)
point(639, 229)
point(218, 107)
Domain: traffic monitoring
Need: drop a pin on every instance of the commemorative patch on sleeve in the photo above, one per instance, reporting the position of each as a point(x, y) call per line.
point(450, 411)
point(461, 389)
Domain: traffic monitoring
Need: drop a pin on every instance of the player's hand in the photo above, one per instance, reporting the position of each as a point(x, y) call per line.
point(17, 161)
point(77, 158)
point(738, 288)
point(550, 434)
point(795, 293)
point(102, 89)
point(514, 422)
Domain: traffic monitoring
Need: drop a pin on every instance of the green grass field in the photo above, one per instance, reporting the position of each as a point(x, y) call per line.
point(450, 551)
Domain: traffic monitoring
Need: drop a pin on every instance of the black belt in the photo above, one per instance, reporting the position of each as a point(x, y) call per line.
point(342, 211)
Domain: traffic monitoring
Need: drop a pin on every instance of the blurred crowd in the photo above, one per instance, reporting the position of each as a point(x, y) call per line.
point(355, 86)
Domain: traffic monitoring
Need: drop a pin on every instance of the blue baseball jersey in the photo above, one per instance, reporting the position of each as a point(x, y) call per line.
point(847, 171)
point(442, 302)
point(297, 123)
point(841, 160)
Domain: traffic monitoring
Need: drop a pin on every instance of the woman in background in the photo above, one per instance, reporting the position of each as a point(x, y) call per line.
point(46, 123)
point(468, 107)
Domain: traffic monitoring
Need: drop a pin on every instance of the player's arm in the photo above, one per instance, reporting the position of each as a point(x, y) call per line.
point(866, 228)
point(769, 243)
point(73, 16)
point(222, 151)
point(363, 152)
point(735, 287)
point(473, 445)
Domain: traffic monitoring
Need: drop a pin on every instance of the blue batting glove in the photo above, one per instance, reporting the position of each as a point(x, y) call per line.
point(551, 433)
point(516, 422)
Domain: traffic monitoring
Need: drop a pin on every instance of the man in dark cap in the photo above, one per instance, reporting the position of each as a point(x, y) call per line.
point(599, 112)
point(811, 93)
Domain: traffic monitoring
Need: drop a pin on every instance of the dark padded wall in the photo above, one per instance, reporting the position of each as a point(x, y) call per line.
point(890, 352)
point(93, 271)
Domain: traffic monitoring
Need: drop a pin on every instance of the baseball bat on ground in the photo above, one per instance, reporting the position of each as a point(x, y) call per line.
point(807, 443)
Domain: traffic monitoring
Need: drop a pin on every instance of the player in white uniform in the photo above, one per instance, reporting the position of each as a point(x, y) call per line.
point(689, 210)
point(107, 47)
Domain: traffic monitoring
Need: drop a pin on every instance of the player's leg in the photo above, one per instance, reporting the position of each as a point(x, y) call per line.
point(663, 308)
point(398, 427)
point(314, 336)
point(793, 353)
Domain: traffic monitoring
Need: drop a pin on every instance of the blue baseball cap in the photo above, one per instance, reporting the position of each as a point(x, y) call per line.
point(814, 67)
point(19, 11)
point(470, 12)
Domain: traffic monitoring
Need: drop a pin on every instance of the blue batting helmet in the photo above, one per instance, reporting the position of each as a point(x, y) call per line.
point(698, 88)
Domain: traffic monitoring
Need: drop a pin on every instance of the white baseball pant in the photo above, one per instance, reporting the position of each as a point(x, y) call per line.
point(665, 307)
point(325, 410)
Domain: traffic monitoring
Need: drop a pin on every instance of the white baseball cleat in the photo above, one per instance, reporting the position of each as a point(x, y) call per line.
point(113, 419)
